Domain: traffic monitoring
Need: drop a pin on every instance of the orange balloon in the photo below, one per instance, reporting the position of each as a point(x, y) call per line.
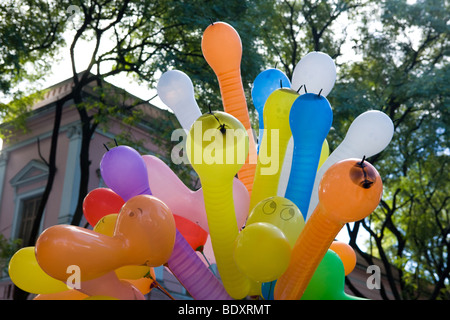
point(347, 255)
point(148, 224)
point(349, 191)
point(144, 235)
point(62, 246)
point(222, 49)
point(106, 226)
point(144, 285)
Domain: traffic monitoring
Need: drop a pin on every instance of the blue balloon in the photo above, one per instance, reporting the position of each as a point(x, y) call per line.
point(310, 121)
point(265, 83)
point(267, 289)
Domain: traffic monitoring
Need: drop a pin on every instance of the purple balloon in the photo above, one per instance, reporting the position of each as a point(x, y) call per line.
point(193, 274)
point(124, 171)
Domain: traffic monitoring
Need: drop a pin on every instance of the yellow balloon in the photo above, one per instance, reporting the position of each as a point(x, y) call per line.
point(262, 252)
point(26, 274)
point(217, 147)
point(273, 145)
point(324, 153)
point(280, 212)
point(255, 289)
point(106, 226)
point(132, 272)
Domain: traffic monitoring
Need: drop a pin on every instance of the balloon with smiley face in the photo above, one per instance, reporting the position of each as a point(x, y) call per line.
point(263, 248)
point(282, 213)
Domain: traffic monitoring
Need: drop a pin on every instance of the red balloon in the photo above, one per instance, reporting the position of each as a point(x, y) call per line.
point(99, 203)
point(195, 235)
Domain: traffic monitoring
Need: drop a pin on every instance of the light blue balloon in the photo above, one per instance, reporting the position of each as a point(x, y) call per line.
point(265, 83)
point(267, 289)
point(310, 120)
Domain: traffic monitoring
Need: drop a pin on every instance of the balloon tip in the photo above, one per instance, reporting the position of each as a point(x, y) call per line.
point(361, 163)
point(319, 92)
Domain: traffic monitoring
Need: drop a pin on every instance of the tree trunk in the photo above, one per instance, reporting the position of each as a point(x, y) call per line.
point(87, 132)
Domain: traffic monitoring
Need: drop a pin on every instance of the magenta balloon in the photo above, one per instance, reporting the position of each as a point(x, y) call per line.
point(124, 171)
point(193, 274)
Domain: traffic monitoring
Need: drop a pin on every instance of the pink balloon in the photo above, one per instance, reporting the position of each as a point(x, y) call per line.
point(184, 202)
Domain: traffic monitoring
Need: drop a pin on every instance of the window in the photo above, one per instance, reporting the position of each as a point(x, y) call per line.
point(28, 213)
point(29, 186)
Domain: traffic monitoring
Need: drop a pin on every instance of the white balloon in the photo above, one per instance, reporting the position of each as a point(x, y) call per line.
point(286, 168)
point(176, 90)
point(316, 72)
point(369, 134)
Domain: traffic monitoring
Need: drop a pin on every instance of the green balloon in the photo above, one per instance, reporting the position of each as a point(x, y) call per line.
point(328, 280)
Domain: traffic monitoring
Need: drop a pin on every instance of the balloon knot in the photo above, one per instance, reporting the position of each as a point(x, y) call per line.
point(361, 163)
point(366, 183)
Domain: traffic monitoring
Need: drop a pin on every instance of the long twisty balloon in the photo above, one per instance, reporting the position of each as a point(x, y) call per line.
point(349, 191)
point(273, 146)
point(217, 162)
point(176, 90)
point(310, 120)
point(222, 49)
point(264, 84)
point(369, 134)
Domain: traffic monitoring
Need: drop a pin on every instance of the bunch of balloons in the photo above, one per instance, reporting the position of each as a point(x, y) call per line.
point(270, 208)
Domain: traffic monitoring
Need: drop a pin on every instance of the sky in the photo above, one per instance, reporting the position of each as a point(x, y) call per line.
point(62, 70)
